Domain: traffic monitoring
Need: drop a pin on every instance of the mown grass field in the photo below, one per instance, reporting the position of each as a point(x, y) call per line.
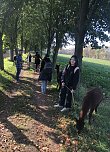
point(94, 138)
point(8, 74)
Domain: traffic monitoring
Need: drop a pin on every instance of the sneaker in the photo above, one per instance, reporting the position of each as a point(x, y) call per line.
point(58, 106)
point(65, 109)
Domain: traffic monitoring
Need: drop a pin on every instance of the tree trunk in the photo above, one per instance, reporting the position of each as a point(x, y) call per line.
point(16, 35)
point(22, 41)
point(58, 44)
point(11, 55)
point(50, 31)
point(13, 41)
point(41, 48)
point(81, 29)
point(35, 47)
point(79, 41)
point(25, 50)
point(1, 53)
point(49, 44)
point(11, 48)
point(25, 47)
point(55, 54)
point(30, 47)
point(50, 40)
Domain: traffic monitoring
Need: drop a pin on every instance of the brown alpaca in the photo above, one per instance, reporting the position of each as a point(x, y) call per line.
point(90, 103)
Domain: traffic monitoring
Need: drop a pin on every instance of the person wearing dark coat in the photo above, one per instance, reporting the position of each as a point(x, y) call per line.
point(43, 62)
point(45, 75)
point(29, 59)
point(18, 63)
point(37, 60)
point(69, 79)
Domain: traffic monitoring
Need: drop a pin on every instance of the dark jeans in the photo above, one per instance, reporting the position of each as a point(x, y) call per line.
point(65, 97)
point(18, 73)
point(37, 65)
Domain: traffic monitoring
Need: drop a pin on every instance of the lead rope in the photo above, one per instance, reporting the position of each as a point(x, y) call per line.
point(72, 92)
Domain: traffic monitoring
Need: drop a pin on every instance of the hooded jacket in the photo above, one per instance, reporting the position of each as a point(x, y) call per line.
point(46, 73)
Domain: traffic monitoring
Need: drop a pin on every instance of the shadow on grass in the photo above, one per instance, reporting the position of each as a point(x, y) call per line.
point(6, 83)
point(12, 75)
point(27, 101)
point(19, 137)
point(5, 112)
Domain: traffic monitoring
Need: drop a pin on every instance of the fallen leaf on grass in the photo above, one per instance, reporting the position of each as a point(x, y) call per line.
point(75, 142)
point(68, 141)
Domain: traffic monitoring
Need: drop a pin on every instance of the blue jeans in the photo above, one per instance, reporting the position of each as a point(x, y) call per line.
point(18, 73)
point(43, 86)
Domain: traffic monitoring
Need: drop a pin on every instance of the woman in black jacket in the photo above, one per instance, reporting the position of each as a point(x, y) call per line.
point(70, 78)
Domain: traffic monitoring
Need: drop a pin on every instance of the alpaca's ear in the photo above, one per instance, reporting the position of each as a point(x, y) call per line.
point(79, 131)
point(75, 119)
point(81, 114)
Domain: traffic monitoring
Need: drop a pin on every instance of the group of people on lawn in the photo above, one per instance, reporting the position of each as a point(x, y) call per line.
point(69, 78)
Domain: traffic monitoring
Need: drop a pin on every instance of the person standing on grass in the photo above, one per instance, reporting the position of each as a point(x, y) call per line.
point(45, 75)
point(29, 59)
point(70, 78)
point(18, 63)
point(14, 60)
point(37, 61)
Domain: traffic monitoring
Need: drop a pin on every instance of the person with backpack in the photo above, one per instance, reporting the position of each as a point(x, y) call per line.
point(69, 80)
point(18, 63)
point(45, 75)
point(43, 62)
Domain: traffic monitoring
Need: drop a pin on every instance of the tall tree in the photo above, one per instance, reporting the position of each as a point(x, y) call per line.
point(81, 28)
point(91, 22)
point(1, 53)
point(3, 18)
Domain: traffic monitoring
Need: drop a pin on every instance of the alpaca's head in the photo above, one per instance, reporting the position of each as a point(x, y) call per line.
point(57, 67)
point(79, 124)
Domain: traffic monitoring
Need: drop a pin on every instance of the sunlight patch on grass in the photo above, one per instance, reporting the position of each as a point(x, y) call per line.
point(6, 76)
point(98, 61)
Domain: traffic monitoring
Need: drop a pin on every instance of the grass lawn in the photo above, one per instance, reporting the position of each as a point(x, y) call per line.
point(6, 76)
point(94, 138)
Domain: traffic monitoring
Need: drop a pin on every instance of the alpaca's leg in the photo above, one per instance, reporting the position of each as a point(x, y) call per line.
point(96, 108)
point(90, 115)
